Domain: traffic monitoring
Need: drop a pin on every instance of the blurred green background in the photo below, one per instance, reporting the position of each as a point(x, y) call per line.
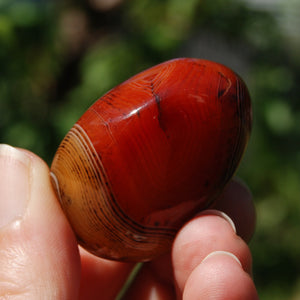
point(58, 57)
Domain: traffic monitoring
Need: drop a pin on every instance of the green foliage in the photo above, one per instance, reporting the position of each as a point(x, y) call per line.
point(57, 59)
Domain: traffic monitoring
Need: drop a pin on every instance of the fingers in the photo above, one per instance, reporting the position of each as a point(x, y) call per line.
point(210, 260)
point(39, 257)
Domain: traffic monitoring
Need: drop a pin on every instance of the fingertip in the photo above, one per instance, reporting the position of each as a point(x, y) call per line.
point(236, 201)
point(15, 167)
point(39, 253)
point(205, 234)
point(220, 276)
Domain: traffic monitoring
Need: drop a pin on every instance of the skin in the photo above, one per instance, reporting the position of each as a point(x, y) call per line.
point(40, 258)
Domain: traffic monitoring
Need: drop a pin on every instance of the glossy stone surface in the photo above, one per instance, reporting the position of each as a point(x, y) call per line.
point(151, 153)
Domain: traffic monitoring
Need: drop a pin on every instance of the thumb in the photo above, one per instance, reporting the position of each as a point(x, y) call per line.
point(38, 252)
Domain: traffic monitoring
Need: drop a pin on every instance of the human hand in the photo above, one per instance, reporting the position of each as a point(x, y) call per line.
point(210, 257)
point(40, 258)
